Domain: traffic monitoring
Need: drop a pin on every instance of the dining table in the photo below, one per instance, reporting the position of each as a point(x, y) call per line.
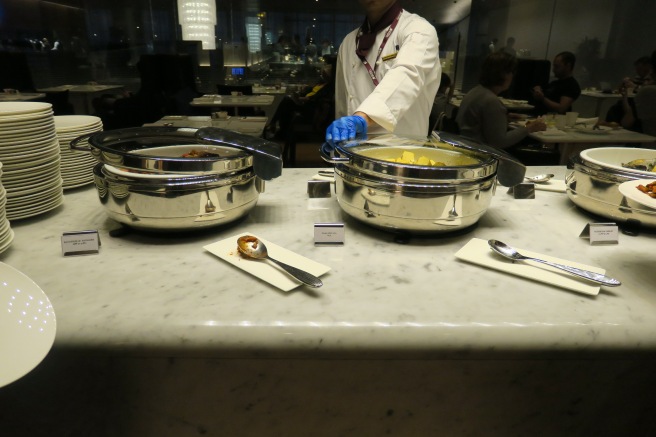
point(20, 97)
point(509, 104)
point(157, 335)
point(602, 100)
point(82, 95)
point(266, 102)
point(253, 126)
point(570, 141)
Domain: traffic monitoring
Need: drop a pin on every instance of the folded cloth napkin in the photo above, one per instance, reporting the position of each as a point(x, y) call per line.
point(477, 251)
point(552, 185)
point(592, 120)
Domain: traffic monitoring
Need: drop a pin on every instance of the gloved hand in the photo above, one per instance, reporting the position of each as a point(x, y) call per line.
point(346, 128)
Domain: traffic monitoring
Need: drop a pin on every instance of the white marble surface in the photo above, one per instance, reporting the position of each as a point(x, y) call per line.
point(158, 294)
point(158, 338)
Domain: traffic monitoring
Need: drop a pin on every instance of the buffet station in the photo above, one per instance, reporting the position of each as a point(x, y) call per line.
point(402, 312)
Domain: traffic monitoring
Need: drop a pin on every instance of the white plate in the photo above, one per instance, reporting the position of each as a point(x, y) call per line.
point(75, 122)
point(20, 108)
point(263, 269)
point(27, 324)
point(6, 242)
point(477, 251)
point(628, 189)
point(41, 209)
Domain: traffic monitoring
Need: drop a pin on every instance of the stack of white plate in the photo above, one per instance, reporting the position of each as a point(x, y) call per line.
point(29, 152)
point(76, 166)
point(6, 233)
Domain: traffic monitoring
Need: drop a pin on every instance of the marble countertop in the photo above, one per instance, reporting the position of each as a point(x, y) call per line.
point(148, 294)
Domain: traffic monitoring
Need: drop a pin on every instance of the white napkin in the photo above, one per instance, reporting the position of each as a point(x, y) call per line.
point(592, 120)
point(477, 251)
point(267, 271)
point(552, 185)
point(552, 132)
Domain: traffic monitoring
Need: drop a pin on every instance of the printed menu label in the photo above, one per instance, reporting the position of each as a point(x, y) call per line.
point(601, 233)
point(80, 243)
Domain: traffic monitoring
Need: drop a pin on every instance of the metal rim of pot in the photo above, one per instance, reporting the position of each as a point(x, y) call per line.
point(509, 170)
point(121, 148)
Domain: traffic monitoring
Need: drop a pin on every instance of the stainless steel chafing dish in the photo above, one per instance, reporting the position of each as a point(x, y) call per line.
point(168, 178)
point(594, 177)
point(450, 193)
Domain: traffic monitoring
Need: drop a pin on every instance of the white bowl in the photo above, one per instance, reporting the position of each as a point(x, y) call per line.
point(614, 157)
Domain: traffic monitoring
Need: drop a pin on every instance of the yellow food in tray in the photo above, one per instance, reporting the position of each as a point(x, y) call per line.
point(410, 158)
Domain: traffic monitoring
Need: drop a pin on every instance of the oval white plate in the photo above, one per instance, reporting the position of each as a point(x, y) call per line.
point(613, 157)
point(602, 130)
point(629, 189)
point(27, 324)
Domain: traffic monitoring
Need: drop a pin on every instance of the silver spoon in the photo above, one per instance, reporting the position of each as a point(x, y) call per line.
point(254, 248)
point(539, 179)
point(509, 252)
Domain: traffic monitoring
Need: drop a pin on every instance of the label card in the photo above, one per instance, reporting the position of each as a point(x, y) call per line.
point(329, 233)
point(525, 190)
point(80, 243)
point(601, 233)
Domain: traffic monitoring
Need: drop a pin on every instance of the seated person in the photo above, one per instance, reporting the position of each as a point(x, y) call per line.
point(561, 93)
point(643, 115)
point(626, 105)
point(482, 116)
point(304, 102)
point(643, 69)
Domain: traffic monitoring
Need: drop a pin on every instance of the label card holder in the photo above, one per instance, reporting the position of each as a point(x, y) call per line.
point(329, 233)
point(601, 233)
point(80, 243)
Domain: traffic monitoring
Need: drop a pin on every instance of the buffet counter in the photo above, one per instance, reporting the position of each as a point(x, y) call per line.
point(156, 336)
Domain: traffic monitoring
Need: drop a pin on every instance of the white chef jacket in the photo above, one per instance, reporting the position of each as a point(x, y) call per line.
point(402, 101)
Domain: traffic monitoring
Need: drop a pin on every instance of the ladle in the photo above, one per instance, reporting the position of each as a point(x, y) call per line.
point(254, 248)
point(539, 179)
point(509, 252)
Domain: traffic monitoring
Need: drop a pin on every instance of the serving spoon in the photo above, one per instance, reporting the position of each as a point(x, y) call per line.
point(539, 179)
point(509, 252)
point(252, 247)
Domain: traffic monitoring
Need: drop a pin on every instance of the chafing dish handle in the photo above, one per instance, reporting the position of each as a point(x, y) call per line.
point(267, 155)
point(510, 171)
point(327, 155)
point(75, 144)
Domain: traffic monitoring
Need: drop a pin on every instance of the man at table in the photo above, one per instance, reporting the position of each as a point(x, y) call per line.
point(561, 93)
point(388, 72)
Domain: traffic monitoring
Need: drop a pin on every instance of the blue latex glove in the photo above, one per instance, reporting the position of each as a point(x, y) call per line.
point(346, 128)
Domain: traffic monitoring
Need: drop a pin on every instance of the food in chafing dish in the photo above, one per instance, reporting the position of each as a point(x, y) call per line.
point(649, 189)
point(199, 154)
point(641, 164)
point(410, 158)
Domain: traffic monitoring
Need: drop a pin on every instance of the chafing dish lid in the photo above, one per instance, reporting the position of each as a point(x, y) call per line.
point(122, 147)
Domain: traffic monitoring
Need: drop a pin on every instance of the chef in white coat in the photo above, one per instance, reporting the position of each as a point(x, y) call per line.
point(388, 72)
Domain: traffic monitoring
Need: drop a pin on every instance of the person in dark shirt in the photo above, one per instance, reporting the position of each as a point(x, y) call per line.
point(561, 93)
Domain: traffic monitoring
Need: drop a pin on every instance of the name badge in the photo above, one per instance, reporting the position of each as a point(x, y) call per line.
point(390, 56)
point(80, 243)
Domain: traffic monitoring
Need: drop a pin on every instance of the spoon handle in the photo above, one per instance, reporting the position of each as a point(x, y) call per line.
point(299, 274)
point(591, 276)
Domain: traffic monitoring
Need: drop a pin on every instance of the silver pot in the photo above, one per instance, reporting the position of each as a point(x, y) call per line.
point(450, 194)
point(145, 178)
point(593, 184)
